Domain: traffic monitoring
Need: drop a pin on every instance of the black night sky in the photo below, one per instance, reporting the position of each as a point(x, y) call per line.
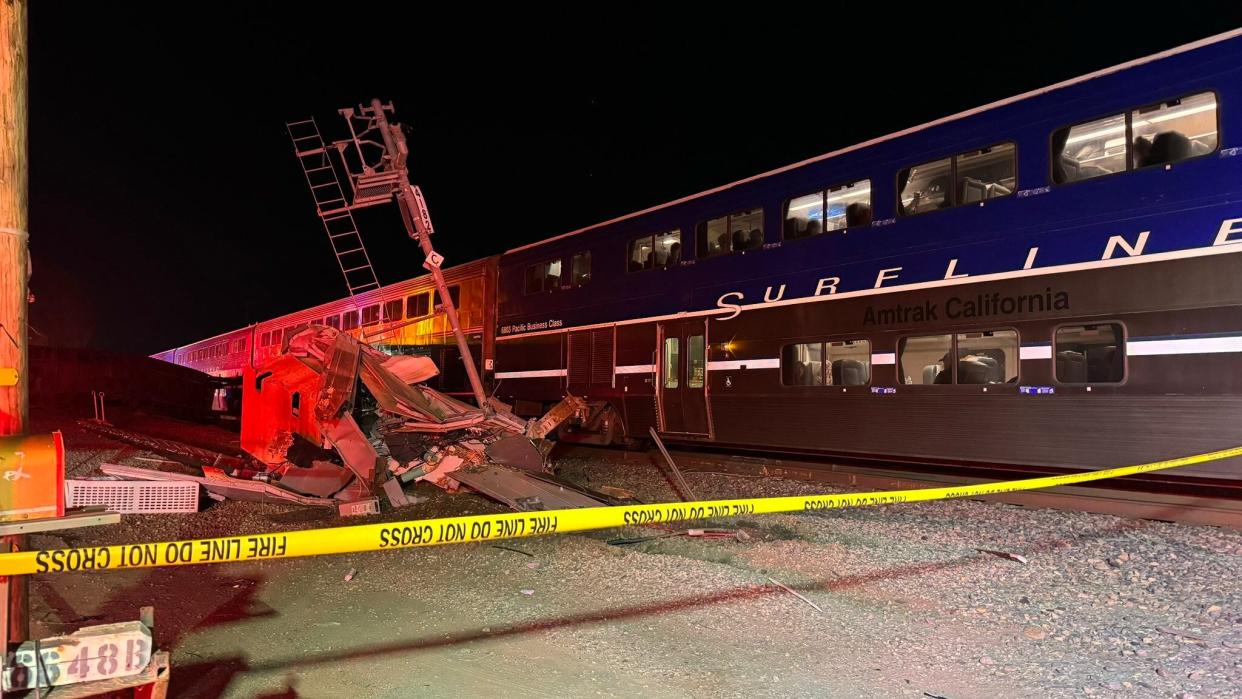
point(166, 204)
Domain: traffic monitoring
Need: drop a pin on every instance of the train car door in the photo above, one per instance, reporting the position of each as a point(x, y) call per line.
point(683, 376)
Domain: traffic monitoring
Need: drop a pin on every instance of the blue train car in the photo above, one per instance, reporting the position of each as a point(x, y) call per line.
point(1049, 280)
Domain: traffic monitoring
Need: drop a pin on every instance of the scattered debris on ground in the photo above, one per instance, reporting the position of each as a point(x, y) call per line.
point(911, 606)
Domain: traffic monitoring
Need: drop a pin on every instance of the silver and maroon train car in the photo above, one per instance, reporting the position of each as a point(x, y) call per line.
point(401, 318)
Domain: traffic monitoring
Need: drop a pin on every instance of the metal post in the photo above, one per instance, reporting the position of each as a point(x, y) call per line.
point(418, 225)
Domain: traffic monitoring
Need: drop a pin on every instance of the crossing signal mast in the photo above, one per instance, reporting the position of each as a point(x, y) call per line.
point(375, 173)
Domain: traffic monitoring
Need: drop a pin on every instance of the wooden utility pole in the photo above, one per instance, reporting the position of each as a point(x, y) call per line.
point(14, 265)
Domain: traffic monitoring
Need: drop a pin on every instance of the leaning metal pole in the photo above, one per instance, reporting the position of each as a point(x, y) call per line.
point(418, 224)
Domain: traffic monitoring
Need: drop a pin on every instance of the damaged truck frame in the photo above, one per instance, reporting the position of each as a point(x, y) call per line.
point(331, 417)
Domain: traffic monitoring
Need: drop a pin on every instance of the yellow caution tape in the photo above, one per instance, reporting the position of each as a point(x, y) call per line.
point(460, 530)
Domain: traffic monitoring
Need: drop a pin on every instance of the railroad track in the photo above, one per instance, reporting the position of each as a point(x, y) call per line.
point(1135, 499)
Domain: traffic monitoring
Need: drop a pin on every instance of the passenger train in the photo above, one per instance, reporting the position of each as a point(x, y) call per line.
point(1051, 281)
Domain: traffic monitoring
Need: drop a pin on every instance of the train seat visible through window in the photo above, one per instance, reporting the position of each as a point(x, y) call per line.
point(849, 372)
point(1103, 361)
point(1071, 367)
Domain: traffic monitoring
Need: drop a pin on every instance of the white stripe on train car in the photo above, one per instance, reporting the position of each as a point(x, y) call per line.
point(635, 369)
point(1189, 345)
point(883, 358)
point(1035, 352)
point(542, 373)
point(774, 363)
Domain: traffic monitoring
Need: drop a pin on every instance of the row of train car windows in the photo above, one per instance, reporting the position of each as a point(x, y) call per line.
point(414, 306)
point(1083, 354)
point(217, 350)
point(549, 274)
point(1158, 134)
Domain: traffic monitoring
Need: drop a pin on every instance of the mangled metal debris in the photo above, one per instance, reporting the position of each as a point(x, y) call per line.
point(333, 418)
point(522, 492)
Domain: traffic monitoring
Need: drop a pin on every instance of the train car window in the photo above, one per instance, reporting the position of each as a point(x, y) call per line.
point(1158, 134)
point(544, 276)
point(655, 251)
point(925, 360)
point(265, 339)
point(371, 315)
point(1173, 131)
point(926, 187)
point(417, 306)
point(668, 249)
point(333, 322)
point(736, 232)
point(1090, 353)
point(580, 269)
point(986, 173)
point(349, 320)
point(803, 364)
point(641, 254)
point(833, 209)
point(713, 237)
point(848, 206)
point(848, 363)
point(987, 357)
point(454, 294)
point(1089, 150)
point(804, 216)
point(696, 361)
point(672, 359)
point(392, 310)
point(746, 230)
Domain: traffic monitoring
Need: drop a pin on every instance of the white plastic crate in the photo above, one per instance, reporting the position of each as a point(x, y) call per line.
point(134, 497)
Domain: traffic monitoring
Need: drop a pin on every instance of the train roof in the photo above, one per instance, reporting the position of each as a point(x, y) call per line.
point(452, 274)
point(897, 134)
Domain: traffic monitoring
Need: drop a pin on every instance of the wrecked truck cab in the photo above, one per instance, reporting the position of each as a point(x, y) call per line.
point(331, 417)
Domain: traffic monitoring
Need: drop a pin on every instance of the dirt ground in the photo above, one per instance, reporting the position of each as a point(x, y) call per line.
point(910, 605)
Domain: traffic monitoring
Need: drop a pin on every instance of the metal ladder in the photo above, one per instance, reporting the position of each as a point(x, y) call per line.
point(332, 206)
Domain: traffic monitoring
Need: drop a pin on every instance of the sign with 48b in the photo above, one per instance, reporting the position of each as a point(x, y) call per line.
point(92, 653)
